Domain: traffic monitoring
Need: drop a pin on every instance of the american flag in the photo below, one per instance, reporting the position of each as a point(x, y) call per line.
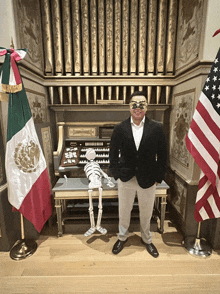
point(203, 142)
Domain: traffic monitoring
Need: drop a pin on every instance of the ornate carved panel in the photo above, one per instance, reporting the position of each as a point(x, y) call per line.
point(189, 31)
point(181, 119)
point(48, 151)
point(38, 106)
point(28, 25)
point(178, 197)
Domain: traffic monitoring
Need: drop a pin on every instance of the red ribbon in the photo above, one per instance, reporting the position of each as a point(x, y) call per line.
point(3, 52)
point(216, 33)
point(15, 57)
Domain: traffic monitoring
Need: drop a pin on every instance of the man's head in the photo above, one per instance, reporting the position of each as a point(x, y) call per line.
point(138, 106)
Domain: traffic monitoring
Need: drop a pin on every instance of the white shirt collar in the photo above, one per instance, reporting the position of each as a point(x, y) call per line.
point(142, 122)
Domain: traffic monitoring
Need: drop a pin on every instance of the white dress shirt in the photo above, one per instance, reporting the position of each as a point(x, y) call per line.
point(137, 131)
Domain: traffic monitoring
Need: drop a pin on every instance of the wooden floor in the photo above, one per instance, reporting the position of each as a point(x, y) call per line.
point(76, 264)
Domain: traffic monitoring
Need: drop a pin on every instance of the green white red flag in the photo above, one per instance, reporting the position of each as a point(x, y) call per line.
point(27, 176)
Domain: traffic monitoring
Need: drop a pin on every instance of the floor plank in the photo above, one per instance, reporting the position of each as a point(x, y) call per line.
point(76, 264)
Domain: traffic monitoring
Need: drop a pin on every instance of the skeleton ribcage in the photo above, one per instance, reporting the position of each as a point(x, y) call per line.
point(92, 168)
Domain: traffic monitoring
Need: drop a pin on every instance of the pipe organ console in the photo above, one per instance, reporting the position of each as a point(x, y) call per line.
point(74, 140)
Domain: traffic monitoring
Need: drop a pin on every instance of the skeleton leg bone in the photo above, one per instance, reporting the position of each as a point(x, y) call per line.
point(91, 214)
point(98, 226)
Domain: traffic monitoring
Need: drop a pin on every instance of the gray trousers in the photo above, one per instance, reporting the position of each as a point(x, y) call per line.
point(126, 195)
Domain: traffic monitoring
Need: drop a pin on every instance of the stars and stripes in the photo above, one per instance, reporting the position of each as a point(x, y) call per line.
point(203, 142)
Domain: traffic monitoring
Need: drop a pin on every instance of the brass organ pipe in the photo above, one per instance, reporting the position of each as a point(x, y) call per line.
point(158, 94)
point(60, 90)
point(101, 35)
point(149, 91)
point(109, 41)
point(94, 49)
point(76, 38)
point(51, 94)
point(125, 41)
point(85, 36)
point(56, 19)
point(124, 94)
point(133, 36)
point(78, 89)
point(67, 36)
point(168, 90)
point(171, 39)
point(117, 42)
point(47, 37)
point(142, 36)
point(70, 95)
point(152, 21)
point(109, 36)
point(162, 24)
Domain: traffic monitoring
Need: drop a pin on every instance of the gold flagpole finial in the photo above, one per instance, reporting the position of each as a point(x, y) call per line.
point(12, 43)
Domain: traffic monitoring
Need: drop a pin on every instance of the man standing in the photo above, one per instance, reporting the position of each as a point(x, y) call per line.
point(138, 162)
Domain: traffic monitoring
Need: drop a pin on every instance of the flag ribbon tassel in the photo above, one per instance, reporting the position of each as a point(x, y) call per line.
point(10, 77)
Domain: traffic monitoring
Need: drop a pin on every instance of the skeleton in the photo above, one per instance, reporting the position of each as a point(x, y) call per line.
point(94, 173)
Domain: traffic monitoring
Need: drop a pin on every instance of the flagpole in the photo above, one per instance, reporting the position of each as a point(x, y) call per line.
point(199, 246)
point(23, 248)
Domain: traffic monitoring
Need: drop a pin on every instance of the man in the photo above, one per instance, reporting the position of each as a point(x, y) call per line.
point(138, 163)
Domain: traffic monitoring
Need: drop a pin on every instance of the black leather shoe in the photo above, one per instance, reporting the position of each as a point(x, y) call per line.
point(151, 249)
point(119, 245)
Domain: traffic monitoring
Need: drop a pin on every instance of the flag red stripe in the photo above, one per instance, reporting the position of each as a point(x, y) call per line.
point(200, 161)
point(217, 198)
point(204, 141)
point(202, 182)
point(208, 119)
point(203, 200)
point(208, 210)
point(197, 216)
point(36, 206)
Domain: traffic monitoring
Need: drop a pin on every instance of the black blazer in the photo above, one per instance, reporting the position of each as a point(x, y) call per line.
point(148, 164)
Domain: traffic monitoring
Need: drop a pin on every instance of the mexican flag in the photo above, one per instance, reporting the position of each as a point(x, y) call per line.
point(27, 176)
